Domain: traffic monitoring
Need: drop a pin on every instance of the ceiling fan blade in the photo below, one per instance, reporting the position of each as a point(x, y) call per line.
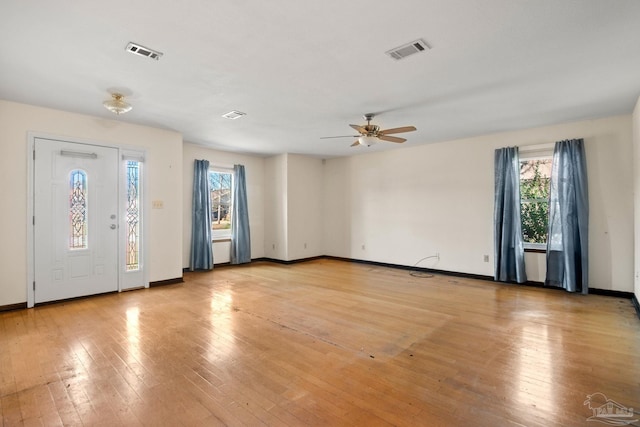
point(359, 128)
point(397, 130)
point(391, 138)
point(343, 136)
point(355, 143)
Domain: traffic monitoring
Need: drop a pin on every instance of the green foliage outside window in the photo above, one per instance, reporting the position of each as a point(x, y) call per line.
point(534, 196)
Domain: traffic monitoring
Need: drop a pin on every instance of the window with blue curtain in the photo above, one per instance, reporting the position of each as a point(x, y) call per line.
point(508, 242)
point(201, 250)
point(240, 233)
point(568, 240)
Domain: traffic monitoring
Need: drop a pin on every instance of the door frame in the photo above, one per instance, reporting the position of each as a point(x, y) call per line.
point(123, 150)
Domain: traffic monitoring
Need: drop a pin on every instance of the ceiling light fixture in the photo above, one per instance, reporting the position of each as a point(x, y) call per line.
point(367, 140)
point(117, 105)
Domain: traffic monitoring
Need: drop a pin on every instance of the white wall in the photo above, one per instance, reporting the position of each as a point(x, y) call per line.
point(395, 207)
point(337, 211)
point(293, 207)
point(304, 207)
point(636, 187)
point(402, 205)
point(535, 266)
point(275, 207)
point(163, 168)
point(254, 174)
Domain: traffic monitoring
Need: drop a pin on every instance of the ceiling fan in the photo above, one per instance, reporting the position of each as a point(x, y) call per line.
point(371, 134)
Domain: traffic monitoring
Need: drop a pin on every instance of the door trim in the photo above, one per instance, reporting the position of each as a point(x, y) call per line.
point(126, 149)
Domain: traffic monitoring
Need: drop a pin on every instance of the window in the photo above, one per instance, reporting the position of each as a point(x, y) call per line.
point(132, 221)
point(535, 175)
point(78, 226)
point(221, 184)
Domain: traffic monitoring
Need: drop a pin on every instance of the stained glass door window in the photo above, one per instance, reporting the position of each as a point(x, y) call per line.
point(78, 209)
point(132, 234)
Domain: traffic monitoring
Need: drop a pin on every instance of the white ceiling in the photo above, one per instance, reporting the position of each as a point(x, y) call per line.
point(302, 70)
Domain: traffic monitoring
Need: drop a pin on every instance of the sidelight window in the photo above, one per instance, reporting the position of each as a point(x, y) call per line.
point(132, 221)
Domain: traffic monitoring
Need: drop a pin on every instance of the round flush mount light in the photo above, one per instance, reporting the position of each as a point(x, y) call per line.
point(117, 104)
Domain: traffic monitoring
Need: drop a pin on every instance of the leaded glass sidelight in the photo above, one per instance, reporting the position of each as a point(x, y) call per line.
point(133, 216)
point(78, 209)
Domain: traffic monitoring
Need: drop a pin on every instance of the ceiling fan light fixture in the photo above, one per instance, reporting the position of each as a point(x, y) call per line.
point(117, 104)
point(367, 140)
point(372, 134)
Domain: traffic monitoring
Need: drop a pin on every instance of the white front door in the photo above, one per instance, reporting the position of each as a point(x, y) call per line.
point(75, 219)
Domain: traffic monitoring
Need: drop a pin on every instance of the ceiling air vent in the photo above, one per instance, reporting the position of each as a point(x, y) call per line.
point(143, 51)
point(408, 49)
point(234, 115)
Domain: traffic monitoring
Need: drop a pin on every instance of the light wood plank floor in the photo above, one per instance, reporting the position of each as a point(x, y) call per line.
point(323, 342)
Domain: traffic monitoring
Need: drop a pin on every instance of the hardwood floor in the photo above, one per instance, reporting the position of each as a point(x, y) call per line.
point(319, 343)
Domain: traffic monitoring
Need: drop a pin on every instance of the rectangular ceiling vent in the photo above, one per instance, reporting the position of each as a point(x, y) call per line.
point(234, 115)
point(143, 51)
point(408, 49)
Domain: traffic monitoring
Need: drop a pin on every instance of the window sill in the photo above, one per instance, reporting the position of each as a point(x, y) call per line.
point(536, 250)
point(221, 239)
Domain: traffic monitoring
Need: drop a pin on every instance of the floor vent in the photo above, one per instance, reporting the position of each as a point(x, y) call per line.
point(143, 51)
point(408, 49)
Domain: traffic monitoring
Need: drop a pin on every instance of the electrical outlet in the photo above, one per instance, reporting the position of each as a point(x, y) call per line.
point(486, 258)
point(363, 247)
point(157, 204)
point(305, 246)
point(273, 246)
